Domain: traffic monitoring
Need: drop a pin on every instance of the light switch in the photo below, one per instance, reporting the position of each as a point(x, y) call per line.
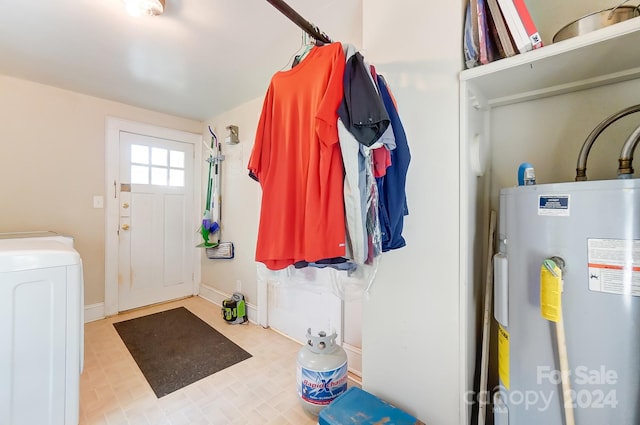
point(98, 201)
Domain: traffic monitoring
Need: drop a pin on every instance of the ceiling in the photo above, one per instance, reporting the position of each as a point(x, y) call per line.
point(198, 59)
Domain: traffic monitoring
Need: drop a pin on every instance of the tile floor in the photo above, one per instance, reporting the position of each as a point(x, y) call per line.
point(260, 390)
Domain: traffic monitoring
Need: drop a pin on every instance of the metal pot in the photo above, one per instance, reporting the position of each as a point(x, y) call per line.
point(597, 20)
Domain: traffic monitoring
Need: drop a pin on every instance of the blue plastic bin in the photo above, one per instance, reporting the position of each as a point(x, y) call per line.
point(358, 407)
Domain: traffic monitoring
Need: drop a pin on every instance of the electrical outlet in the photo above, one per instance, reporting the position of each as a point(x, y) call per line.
point(98, 201)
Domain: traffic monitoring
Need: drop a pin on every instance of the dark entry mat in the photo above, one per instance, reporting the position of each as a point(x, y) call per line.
point(175, 348)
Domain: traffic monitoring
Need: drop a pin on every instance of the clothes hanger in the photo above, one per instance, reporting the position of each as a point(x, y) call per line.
point(305, 47)
point(310, 43)
point(298, 58)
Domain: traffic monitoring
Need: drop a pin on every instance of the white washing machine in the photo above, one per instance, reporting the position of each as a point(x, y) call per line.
point(41, 329)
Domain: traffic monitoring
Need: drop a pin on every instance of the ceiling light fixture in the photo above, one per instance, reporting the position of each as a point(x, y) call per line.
point(144, 7)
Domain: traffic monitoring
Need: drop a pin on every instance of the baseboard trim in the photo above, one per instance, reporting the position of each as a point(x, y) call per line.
point(354, 356)
point(217, 297)
point(93, 312)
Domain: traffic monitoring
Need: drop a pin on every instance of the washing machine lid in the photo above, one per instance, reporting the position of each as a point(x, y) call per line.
point(30, 234)
point(35, 253)
point(38, 234)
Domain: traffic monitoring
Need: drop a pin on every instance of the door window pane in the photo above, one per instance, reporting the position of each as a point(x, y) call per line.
point(167, 166)
point(139, 154)
point(176, 178)
point(139, 174)
point(176, 159)
point(159, 157)
point(159, 176)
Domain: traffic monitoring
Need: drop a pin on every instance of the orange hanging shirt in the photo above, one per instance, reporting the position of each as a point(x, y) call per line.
point(296, 158)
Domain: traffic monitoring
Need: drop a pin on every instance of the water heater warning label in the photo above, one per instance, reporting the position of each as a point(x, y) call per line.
point(556, 205)
point(614, 266)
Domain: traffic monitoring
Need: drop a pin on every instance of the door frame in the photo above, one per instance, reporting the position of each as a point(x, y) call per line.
point(113, 127)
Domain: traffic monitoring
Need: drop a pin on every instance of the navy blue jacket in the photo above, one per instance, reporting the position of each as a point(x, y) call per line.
point(391, 186)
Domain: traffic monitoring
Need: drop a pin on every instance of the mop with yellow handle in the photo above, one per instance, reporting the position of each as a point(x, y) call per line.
point(551, 309)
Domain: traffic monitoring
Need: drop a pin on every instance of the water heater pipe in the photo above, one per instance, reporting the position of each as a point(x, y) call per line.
point(581, 168)
point(625, 167)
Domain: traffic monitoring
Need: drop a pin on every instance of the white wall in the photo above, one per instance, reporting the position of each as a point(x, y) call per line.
point(553, 148)
point(240, 205)
point(411, 334)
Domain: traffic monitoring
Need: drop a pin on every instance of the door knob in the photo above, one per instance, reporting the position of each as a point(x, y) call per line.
point(125, 227)
point(125, 205)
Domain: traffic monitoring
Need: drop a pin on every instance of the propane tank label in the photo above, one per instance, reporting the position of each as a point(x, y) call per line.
point(321, 388)
point(614, 266)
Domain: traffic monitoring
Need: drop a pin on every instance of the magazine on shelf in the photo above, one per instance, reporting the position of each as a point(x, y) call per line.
point(503, 36)
point(475, 32)
point(470, 49)
point(515, 25)
point(529, 25)
point(483, 34)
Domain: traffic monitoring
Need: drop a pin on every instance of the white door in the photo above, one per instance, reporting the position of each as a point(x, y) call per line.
point(155, 242)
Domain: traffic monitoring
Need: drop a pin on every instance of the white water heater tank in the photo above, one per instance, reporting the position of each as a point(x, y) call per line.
point(568, 353)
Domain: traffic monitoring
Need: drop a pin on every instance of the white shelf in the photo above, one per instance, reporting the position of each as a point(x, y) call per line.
point(601, 57)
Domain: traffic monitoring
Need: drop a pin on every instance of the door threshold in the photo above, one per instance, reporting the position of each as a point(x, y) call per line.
point(143, 307)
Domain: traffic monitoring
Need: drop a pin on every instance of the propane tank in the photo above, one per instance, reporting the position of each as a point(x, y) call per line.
point(321, 371)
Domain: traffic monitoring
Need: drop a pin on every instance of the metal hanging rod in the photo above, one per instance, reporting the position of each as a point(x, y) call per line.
point(295, 17)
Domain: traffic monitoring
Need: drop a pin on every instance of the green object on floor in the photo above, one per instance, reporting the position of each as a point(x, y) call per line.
point(234, 309)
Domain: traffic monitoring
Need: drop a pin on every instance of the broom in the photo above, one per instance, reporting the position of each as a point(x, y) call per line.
point(221, 250)
point(208, 226)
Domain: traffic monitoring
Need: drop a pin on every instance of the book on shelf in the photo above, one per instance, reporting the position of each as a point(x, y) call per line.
point(469, 47)
point(483, 34)
point(475, 31)
point(502, 36)
point(496, 49)
point(495, 29)
point(488, 48)
point(529, 25)
point(515, 25)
